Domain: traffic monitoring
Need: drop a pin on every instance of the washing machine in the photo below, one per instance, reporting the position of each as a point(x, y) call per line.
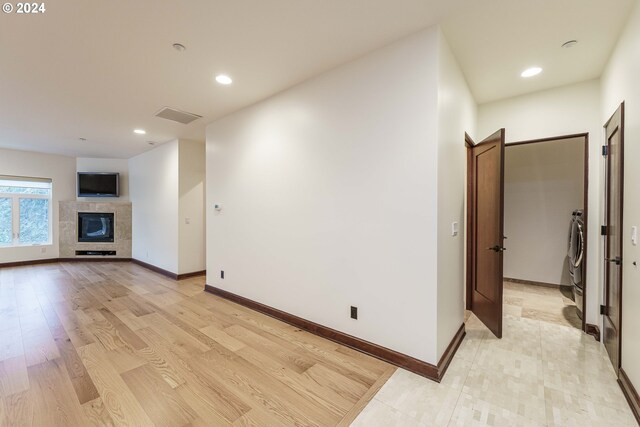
point(576, 257)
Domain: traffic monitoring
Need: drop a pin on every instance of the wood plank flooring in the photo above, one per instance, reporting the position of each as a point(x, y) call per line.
point(114, 344)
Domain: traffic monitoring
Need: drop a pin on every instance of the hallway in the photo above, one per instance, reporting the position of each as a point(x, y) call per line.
point(539, 374)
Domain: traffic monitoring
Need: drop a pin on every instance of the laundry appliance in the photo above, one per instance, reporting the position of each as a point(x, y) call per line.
point(576, 257)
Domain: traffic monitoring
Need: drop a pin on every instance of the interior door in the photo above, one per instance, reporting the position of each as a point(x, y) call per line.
point(485, 207)
point(613, 240)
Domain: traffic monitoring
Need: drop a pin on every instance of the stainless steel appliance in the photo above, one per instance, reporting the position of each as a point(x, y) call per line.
point(575, 257)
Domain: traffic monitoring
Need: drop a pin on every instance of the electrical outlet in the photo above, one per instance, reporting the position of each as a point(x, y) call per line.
point(354, 312)
point(222, 274)
point(43, 250)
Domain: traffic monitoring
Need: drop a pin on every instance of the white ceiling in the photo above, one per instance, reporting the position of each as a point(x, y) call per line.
point(98, 69)
point(495, 40)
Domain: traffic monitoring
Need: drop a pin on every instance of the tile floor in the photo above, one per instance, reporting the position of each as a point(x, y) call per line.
point(552, 305)
point(539, 374)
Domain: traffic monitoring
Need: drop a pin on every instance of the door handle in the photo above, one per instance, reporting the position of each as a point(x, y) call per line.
point(617, 260)
point(497, 248)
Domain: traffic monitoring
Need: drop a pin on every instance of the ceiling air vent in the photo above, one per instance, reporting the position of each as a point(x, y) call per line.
point(177, 115)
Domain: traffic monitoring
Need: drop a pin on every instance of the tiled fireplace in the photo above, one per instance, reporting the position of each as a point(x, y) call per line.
point(90, 229)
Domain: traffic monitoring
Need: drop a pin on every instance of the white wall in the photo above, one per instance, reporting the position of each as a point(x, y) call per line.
point(543, 185)
point(89, 164)
point(191, 205)
point(167, 188)
point(562, 111)
point(620, 83)
point(329, 198)
point(153, 187)
point(456, 115)
point(61, 170)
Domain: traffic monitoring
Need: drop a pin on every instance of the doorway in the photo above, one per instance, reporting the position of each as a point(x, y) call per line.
point(546, 185)
point(544, 195)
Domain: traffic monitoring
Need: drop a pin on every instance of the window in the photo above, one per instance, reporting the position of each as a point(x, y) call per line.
point(25, 211)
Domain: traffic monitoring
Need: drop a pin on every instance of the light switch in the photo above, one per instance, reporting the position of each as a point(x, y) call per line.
point(634, 235)
point(454, 228)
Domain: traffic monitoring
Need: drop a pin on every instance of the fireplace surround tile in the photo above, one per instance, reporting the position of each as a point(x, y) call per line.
point(68, 228)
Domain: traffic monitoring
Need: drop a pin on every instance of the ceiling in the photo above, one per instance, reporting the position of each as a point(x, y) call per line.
point(495, 40)
point(99, 69)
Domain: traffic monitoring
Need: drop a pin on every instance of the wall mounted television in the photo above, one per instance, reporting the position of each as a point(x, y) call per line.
point(98, 184)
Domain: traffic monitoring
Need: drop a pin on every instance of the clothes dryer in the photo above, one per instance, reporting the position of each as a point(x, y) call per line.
point(576, 257)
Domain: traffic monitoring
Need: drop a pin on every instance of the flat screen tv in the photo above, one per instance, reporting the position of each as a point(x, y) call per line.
point(98, 184)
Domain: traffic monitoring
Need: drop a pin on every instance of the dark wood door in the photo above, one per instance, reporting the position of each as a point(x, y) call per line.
point(485, 239)
point(613, 241)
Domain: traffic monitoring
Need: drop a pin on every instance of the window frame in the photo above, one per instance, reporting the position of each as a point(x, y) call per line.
point(15, 213)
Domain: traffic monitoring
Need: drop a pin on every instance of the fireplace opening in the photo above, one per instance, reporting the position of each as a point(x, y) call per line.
point(95, 227)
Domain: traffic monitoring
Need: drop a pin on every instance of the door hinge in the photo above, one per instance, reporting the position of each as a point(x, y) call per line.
point(603, 230)
point(605, 150)
point(603, 310)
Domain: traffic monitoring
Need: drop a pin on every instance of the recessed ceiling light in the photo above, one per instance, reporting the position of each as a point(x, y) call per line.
point(179, 47)
point(570, 43)
point(530, 72)
point(140, 131)
point(223, 79)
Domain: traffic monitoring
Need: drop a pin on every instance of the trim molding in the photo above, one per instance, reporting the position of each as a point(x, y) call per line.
point(452, 348)
point(531, 282)
point(593, 330)
point(54, 260)
point(630, 393)
point(96, 259)
point(393, 357)
point(468, 142)
point(192, 274)
point(152, 267)
point(168, 273)
point(32, 262)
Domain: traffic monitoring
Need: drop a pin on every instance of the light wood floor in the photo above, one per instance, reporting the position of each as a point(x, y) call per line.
point(84, 344)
